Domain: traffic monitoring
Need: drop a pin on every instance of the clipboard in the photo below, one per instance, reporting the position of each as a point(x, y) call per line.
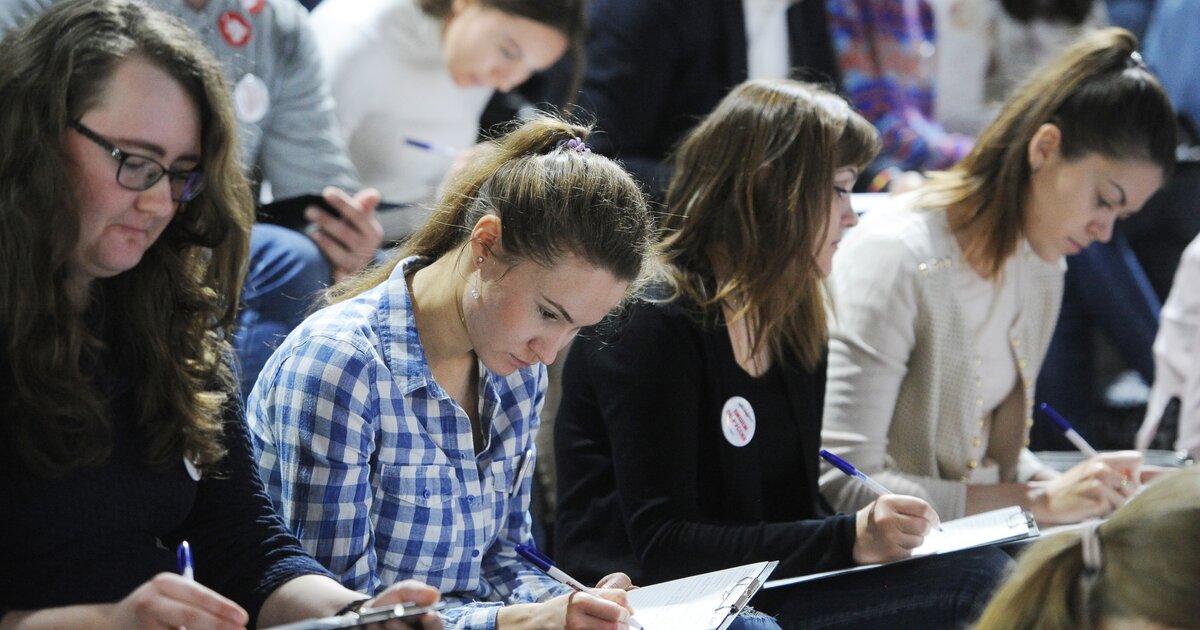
point(996, 527)
point(708, 601)
point(363, 618)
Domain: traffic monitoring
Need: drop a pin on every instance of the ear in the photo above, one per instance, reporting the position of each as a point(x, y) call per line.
point(485, 239)
point(1045, 144)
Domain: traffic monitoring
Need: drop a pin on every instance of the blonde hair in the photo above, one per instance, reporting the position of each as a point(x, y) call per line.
point(1150, 560)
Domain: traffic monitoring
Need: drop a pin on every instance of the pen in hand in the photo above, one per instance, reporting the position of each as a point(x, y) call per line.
point(543, 562)
point(183, 556)
point(851, 471)
point(1069, 432)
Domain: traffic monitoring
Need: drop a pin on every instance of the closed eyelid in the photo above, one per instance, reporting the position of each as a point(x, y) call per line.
point(1120, 190)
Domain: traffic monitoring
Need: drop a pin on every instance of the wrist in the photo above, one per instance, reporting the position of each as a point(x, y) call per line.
point(1037, 500)
point(514, 616)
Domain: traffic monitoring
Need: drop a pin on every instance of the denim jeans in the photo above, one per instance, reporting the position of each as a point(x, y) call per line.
point(1105, 291)
point(754, 621)
point(946, 591)
point(286, 275)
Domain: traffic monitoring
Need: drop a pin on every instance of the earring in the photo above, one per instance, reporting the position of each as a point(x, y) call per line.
point(474, 294)
point(479, 260)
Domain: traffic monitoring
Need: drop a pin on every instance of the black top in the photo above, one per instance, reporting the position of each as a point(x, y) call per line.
point(96, 534)
point(649, 484)
point(656, 67)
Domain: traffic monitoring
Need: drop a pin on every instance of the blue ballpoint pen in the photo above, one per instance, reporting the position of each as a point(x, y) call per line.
point(432, 147)
point(183, 555)
point(543, 562)
point(851, 471)
point(844, 466)
point(1068, 431)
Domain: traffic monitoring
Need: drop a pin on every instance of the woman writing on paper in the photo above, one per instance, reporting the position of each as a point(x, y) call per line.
point(687, 441)
point(395, 427)
point(124, 226)
point(946, 302)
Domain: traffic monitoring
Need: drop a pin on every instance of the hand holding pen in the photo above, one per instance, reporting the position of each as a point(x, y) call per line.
point(892, 525)
point(174, 601)
point(1092, 488)
point(596, 603)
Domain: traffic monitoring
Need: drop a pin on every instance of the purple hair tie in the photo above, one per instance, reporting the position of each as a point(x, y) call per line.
point(575, 144)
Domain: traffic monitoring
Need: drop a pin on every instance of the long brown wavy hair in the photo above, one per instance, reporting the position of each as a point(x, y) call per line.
point(755, 180)
point(160, 326)
point(552, 200)
point(1102, 98)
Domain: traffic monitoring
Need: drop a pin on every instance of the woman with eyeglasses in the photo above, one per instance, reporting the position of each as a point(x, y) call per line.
point(124, 221)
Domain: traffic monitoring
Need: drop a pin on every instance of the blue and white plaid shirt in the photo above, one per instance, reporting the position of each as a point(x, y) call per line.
point(372, 464)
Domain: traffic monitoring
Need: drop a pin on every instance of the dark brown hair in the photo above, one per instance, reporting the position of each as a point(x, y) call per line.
point(755, 179)
point(159, 325)
point(1104, 101)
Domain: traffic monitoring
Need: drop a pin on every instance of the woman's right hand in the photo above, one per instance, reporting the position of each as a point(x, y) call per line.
point(597, 609)
point(1092, 488)
point(171, 601)
point(891, 527)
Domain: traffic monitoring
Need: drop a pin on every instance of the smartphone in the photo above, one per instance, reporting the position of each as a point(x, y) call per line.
point(408, 611)
point(289, 212)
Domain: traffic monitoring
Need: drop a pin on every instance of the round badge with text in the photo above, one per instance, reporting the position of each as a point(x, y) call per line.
point(251, 99)
point(737, 421)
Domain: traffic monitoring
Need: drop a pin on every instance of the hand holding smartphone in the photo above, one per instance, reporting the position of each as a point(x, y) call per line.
point(409, 612)
point(289, 213)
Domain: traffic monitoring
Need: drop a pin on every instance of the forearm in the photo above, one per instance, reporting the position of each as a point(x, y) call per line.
point(83, 616)
point(304, 597)
point(982, 498)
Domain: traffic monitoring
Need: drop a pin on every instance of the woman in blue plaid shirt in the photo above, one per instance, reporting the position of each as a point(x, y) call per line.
point(394, 428)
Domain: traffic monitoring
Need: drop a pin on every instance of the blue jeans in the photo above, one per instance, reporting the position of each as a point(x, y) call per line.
point(1105, 291)
point(754, 621)
point(946, 591)
point(286, 275)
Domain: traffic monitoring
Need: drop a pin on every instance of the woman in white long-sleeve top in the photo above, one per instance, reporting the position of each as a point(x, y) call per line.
point(945, 303)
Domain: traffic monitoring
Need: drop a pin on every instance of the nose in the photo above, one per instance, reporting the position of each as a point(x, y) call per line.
point(849, 216)
point(507, 75)
point(547, 349)
point(1102, 229)
point(157, 198)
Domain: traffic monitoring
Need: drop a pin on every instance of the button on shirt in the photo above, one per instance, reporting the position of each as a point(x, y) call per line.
point(372, 463)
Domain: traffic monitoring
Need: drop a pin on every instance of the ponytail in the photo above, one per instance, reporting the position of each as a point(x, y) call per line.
point(553, 197)
point(1143, 566)
point(1102, 98)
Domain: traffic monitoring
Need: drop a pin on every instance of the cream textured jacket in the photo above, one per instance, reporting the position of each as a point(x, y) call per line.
point(903, 399)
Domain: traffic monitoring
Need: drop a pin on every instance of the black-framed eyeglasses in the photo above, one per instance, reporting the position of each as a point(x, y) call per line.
point(140, 172)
